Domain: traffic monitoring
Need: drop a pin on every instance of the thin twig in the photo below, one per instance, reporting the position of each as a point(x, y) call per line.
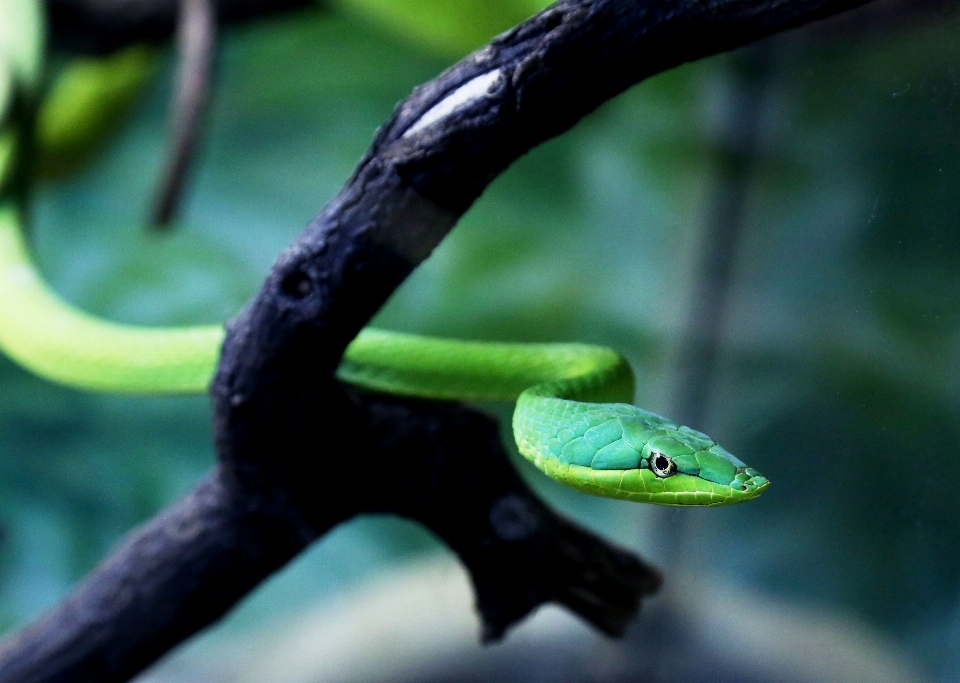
point(196, 46)
point(735, 145)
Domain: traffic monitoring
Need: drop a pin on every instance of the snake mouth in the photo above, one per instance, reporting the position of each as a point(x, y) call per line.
point(643, 486)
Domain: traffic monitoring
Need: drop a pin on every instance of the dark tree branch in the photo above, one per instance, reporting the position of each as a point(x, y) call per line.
point(170, 578)
point(298, 453)
point(196, 48)
point(440, 464)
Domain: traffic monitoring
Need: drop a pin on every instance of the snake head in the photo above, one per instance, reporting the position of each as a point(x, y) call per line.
point(633, 454)
point(685, 453)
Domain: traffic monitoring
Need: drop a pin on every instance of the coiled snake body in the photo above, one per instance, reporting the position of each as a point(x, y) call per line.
point(572, 417)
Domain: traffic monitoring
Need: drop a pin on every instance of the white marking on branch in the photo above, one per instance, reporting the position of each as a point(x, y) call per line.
point(466, 93)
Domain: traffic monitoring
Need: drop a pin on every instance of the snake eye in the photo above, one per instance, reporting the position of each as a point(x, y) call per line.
point(661, 465)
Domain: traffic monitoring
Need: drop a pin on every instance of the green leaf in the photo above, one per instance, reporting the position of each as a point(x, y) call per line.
point(449, 27)
point(87, 101)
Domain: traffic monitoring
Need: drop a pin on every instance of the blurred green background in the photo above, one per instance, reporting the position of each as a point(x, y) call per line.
point(836, 364)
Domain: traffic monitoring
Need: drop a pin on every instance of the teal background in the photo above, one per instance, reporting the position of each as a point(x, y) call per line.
point(838, 364)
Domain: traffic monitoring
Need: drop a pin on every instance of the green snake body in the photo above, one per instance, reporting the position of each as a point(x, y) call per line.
point(572, 417)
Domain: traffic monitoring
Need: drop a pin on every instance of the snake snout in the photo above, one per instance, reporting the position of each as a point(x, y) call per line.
point(749, 481)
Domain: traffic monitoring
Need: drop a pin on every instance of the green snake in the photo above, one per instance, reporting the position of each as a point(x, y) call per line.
point(572, 418)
